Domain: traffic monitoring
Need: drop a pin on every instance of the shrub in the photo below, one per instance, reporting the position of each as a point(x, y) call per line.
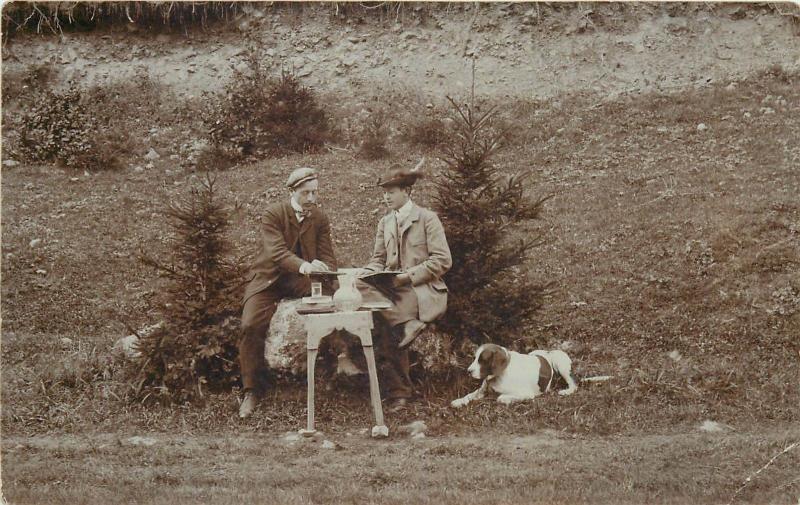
point(425, 131)
point(93, 128)
point(374, 136)
point(260, 116)
point(88, 128)
point(195, 348)
point(492, 296)
point(61, 127)
point(293, 120)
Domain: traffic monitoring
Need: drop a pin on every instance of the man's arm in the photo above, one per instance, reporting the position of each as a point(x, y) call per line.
point(378, 261)
point(275, 244)
point(439, 260)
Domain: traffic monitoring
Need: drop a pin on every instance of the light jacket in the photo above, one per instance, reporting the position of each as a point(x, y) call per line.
point(423, 253)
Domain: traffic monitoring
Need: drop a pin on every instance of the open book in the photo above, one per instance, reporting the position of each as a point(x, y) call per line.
point(382, 281)
point(383, 274)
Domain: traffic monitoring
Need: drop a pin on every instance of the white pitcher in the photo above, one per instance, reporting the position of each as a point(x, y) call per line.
point(347, 298)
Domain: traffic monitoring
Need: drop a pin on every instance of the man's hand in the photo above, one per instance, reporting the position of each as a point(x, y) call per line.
point(401, 280)
point(315, 266)
point(359, 272)
point(318, 265)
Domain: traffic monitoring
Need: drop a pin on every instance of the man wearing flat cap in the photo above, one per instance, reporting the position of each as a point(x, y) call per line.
point(296, 240)
point(410, 239)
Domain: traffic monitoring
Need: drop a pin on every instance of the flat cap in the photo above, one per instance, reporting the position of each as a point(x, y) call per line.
point(299, 176)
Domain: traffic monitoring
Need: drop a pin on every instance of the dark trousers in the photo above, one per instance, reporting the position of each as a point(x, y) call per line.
point(256, 316)
point(393, 363)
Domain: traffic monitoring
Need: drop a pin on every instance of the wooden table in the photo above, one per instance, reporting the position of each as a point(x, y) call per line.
point(359, 323)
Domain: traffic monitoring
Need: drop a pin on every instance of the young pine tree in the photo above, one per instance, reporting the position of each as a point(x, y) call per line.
point(195, 349)
point(491, 294)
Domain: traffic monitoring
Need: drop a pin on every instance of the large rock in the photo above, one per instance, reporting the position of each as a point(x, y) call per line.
point(285, 350)
point(436, 352)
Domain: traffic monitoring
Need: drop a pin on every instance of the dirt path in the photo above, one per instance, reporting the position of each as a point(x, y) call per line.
point(546, 467)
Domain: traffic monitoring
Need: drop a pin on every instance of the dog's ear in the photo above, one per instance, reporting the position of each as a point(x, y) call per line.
point(493, 360)
point(485, 358)
point(499, 360)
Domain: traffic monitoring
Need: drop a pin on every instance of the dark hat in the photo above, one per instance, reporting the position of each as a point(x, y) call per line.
point(299, 176)
point(398, 175)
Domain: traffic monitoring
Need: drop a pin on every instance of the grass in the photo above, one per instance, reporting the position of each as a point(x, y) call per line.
point(663, 239)
point(543, 468)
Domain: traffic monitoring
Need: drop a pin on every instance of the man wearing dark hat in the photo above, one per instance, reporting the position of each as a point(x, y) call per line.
point(296, 240)
point(410, 239)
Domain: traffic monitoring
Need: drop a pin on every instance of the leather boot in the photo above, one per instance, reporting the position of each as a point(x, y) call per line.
point(411, 331)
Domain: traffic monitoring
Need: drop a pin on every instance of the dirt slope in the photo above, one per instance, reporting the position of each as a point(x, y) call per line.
point(604, 49)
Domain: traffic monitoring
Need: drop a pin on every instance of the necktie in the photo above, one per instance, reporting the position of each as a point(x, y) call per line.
point(397, 235)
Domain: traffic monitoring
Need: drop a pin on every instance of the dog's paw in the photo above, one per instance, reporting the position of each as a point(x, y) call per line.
point(566, 392)
point(457, 404)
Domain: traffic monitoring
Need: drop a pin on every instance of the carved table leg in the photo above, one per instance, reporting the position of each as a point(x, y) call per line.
point(312, 360)
point(360, 324)
point(312, 350)
point(380, 429)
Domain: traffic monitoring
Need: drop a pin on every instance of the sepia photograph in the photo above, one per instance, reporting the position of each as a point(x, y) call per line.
point(400, 253)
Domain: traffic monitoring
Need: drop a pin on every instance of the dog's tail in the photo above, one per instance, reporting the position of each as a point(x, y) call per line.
point(557, 357)
point(597, 378)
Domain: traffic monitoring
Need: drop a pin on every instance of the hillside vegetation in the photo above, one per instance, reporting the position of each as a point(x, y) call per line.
point(669, 147)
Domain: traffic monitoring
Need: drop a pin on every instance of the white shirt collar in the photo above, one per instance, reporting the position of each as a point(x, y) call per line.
point(298, 210)
point(402, 213)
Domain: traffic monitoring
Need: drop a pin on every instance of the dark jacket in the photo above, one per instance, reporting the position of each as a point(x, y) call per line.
point(280, 234)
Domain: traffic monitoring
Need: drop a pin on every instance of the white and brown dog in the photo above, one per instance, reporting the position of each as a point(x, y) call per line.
point(517, 377)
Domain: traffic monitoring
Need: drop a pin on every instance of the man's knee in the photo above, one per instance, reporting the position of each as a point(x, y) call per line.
point(254, 329)
point(253, 326)
point(256, 315)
